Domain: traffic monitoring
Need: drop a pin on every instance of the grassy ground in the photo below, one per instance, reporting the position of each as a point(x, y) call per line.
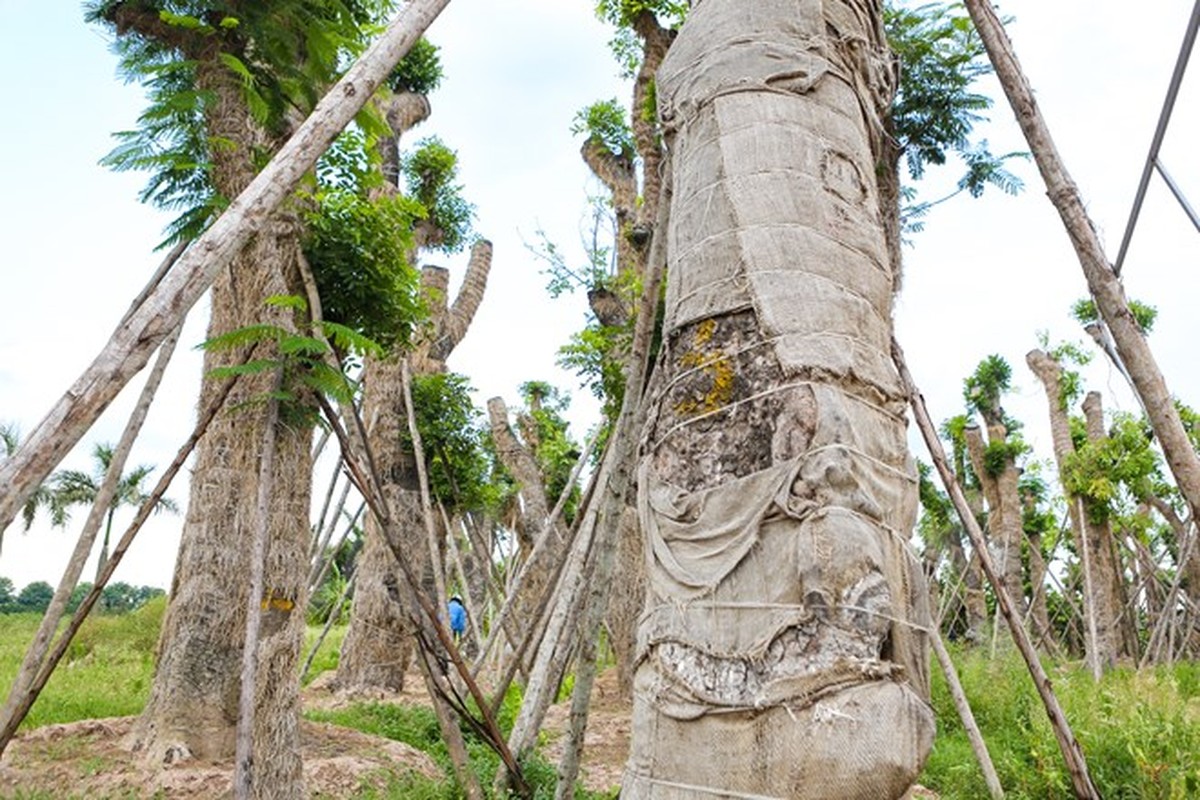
point(1140, 731)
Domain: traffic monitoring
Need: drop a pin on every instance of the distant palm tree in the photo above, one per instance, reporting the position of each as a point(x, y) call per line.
point(73, 487)
point(44, 497)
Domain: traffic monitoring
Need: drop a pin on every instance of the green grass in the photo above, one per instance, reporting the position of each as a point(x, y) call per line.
point(327, 657)
point(106, 671)
point(417, 726)
point(1140, 732)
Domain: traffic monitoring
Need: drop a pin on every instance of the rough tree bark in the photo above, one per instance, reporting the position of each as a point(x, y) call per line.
point(1004, 506)
point(378, 647)
point(1116, 637)
point(783, 650)
point(193, 705)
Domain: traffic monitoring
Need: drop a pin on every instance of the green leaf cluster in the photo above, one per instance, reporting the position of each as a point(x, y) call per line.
point(359, 248)
point(419, 72)
point(1085, 312)
point(556, 452)
point(592, 354)
point(304, 360)
point(431, 172)
point(622, 13)
point(998, 455)
point(941, 58)
point(459, 459)
point(282, 55)
point(983, 389)
point(1123, 464)
point(938, 521)
point(604, 123)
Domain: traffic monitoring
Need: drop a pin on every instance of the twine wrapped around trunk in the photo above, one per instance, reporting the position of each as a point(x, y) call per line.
point(783, 651)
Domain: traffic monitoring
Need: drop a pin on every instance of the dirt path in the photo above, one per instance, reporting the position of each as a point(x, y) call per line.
point(90, 759)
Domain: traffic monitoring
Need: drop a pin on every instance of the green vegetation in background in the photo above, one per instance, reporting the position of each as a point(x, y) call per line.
point(1140, 731)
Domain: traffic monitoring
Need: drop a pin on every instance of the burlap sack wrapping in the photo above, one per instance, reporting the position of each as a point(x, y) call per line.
point(782, 651)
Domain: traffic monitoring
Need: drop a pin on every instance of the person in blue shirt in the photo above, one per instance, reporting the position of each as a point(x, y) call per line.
point(458, 618)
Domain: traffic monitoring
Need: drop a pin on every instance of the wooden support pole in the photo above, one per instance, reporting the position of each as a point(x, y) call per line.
point(1071, 751)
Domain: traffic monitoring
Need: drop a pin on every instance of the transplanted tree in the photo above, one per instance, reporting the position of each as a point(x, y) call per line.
point(378, 646)
point(994, 452)
point(776, 490)
point(225, 81)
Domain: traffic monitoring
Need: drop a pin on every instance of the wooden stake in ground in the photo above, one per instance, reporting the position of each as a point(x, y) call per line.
point(243, 769)
point(1071, 751)
point(141, 333)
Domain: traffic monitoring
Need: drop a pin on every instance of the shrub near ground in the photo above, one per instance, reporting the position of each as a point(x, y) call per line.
point(1140, 731)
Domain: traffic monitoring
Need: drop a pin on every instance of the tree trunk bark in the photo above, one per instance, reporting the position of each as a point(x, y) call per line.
point(1108, 579)
point(1103, 283)
point(1004, 507)
point(776, 493)
point(193, 705)
point(140, 334)
point(378, 647)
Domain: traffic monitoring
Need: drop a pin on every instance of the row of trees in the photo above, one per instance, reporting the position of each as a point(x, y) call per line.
point(35, 597)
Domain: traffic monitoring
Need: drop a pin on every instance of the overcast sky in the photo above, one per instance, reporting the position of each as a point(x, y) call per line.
point(985, 277)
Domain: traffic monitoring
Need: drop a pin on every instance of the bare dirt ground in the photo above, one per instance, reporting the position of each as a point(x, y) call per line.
point(91, 759)
point(606, 743)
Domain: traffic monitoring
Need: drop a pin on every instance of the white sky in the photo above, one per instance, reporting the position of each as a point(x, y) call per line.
point(75, 246)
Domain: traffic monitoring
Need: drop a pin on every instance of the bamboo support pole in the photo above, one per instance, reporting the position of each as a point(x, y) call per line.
point(36, 654)
point(615, 491)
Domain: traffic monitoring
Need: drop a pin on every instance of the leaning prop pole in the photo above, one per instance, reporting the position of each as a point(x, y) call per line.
point(967, 717)
point(1103, 282)
point(36, 654)
point(614, 492)
point(141, 333)
point(21, 708)
point(1071, 751)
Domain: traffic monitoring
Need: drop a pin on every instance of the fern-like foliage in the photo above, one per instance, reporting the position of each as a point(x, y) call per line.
point(306, 361)
point(282, 54)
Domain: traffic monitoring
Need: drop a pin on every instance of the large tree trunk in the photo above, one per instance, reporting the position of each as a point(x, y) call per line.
point(781, 652)
point(1004, 506)
point(378, 647)
point(193, 703)
point(376, 650)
